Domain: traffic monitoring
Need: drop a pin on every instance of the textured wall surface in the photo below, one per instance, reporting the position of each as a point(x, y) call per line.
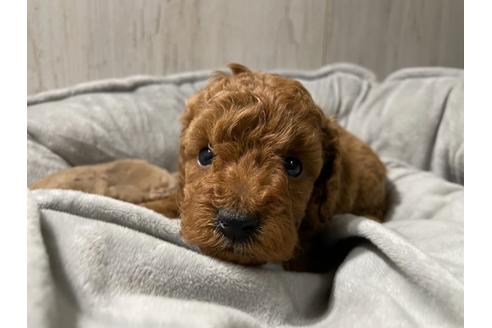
point(71, 41)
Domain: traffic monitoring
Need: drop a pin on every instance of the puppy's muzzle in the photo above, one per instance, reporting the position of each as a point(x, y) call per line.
point(236, 226)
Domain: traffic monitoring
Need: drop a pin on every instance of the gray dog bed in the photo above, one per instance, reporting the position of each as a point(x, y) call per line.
point(99, 262)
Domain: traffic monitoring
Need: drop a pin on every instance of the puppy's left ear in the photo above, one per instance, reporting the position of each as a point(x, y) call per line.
point(324, 201)
point(334, 180)
point(352, 179)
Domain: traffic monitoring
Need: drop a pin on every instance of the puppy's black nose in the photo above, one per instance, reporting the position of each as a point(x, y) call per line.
point(236, 226)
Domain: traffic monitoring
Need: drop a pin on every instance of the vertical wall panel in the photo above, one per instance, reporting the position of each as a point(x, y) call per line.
point(385, 35)
point(71, 41)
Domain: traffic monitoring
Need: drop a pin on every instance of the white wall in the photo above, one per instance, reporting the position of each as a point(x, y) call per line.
point(71, 41)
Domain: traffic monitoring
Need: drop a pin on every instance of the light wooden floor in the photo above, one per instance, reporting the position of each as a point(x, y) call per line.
point(71, 41)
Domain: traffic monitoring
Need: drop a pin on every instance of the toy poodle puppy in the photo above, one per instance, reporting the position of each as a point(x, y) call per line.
point(261, 172)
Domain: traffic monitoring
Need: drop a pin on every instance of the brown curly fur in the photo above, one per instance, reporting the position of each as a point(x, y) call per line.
point(252, 121)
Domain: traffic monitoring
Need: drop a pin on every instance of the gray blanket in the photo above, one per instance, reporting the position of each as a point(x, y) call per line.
point(99, 262)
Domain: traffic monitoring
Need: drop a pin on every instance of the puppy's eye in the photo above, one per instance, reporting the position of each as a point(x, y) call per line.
point(205, 156)
point(293, 166)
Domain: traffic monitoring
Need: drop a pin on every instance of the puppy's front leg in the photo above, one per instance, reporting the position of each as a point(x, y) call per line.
point(168, 206)
point(130, 180)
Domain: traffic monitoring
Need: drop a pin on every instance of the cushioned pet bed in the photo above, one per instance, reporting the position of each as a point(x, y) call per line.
point(99, 262)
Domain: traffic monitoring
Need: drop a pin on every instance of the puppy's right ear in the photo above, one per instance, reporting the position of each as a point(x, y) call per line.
point(192, 105)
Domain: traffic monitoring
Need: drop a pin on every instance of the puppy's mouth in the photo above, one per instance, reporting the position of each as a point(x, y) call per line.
point(243, 239)
point(240, 245)
point(241, 242)
point(241, 251)
point(238, 253)
point(241, 248)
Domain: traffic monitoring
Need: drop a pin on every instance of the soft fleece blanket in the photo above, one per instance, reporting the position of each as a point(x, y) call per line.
point(99, 262)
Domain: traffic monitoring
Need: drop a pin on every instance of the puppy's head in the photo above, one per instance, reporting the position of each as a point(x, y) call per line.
point(253, 147)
